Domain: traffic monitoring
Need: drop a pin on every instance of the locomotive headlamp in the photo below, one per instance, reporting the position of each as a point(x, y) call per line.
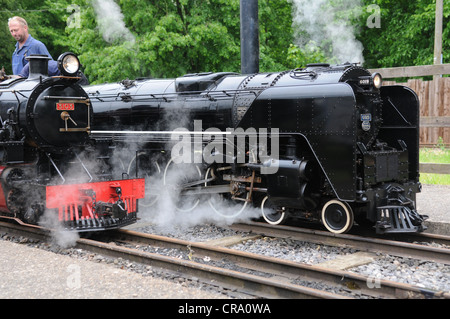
point(68, 64)
point(377, 80)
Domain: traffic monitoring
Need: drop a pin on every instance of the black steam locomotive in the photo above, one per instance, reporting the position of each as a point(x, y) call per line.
point(326, 143)
point(47, 160)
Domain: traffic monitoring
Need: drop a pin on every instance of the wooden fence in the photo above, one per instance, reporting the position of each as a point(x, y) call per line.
point(433, 168)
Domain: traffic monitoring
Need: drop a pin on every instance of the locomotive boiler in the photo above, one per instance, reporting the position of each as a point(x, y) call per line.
point(325, 143)
point(48, 164)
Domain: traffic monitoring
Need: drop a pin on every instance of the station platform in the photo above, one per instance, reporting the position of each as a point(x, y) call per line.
point(434, 201)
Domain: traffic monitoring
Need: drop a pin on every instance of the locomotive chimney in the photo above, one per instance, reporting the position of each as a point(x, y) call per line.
point(249, 37)
point(38, 65)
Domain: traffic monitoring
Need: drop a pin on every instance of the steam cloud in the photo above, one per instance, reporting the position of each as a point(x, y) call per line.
point(110, 21)
point(163, 206)
point(59, 235)
point(50, 219)
point(320, 23)
point(169, 210)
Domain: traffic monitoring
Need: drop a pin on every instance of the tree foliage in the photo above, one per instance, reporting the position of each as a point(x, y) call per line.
point(406, 36)
point(168, 38)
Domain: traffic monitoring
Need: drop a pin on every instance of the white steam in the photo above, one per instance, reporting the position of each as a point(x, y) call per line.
point(75, 174)
point(59, 235)
point(110, 22)
point(169, 210)
point(163, 206)
point(327, 24)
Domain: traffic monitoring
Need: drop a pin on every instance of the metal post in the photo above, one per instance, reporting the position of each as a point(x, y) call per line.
point(435, 102)
point(249, 37)
point(438, 32)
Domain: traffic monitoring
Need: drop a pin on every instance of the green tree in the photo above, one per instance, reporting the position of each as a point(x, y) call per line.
point(406, 36)
point(7, 41)
point(174, 37)
point(168, 38)
point(45, 23)
point(171, 37)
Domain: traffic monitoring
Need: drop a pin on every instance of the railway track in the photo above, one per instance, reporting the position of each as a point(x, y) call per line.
point(253, 285)
point(286, 271)
point(394, 246)
point(248, 273)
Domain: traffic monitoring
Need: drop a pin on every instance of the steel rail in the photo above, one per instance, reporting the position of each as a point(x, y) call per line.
point(422, 237)
point(247, 283)
point(282, 271)
point(243, 282)
point(391, 247)
point(287, 270)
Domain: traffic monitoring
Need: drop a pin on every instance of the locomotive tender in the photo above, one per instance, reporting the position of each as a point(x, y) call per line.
point(47, 160)
point(338, 147)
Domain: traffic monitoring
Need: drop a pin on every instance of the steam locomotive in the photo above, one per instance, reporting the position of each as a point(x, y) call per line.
point(323, 143)
point(48, 163)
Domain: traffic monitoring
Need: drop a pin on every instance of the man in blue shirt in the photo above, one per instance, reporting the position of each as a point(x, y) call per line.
point(26, 44)
point(52, 69)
